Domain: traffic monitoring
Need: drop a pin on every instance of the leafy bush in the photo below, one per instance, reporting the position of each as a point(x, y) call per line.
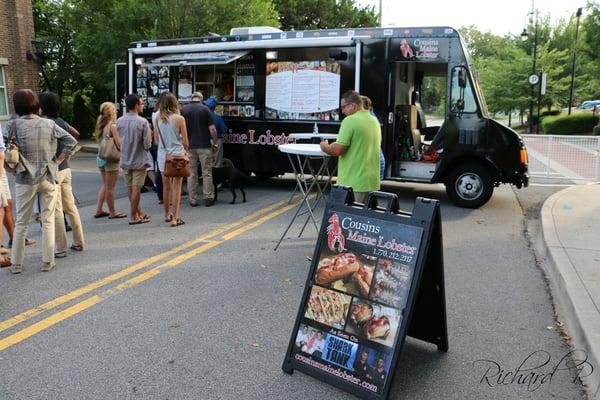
point(551, 112)
point(569, 124)
point(597, 130)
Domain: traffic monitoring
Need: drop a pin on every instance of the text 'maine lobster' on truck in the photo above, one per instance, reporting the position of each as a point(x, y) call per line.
point(435, 123)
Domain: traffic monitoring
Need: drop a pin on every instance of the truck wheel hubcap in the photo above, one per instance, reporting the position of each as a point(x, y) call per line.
point(469, 186)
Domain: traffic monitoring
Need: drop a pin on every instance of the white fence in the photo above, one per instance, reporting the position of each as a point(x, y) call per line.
point(564, 157)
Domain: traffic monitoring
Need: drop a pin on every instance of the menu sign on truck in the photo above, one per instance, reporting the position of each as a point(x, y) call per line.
point(360, 293)
point(307, 88)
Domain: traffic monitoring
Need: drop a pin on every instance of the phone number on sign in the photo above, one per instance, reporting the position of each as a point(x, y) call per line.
point(392, 255)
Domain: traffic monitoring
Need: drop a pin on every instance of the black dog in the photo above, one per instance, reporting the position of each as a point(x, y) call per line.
point(229, 175)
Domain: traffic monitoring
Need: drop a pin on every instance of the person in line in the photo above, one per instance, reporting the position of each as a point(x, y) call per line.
point(109, 171)
point(134, 132)
point(65, 201)
point(358, 146)
point(202, 131)
point(160, 157)
point(368, 105)
point(37, 172)
point(211, 103)
point(4, 260)
point(8, 221)
point(172, 135)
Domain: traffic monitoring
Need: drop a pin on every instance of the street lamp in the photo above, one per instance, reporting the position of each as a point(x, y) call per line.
point(578, 14)
point(533, 78)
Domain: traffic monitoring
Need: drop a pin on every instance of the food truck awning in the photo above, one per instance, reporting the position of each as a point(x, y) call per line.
point(153, 49)
point(220, 57)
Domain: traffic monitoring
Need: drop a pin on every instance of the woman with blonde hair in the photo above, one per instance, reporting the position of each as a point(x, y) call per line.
point(170, 128)
point(106, 128)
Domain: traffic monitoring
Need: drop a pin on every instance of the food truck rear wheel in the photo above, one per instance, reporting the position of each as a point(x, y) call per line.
point(469, 185)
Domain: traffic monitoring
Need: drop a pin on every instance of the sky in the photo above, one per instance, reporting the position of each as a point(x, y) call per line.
point(498, 16)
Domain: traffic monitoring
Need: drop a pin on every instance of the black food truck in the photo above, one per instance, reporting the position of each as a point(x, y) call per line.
point(435, 124)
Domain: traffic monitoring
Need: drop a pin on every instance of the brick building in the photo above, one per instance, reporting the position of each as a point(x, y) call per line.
point(16, 35)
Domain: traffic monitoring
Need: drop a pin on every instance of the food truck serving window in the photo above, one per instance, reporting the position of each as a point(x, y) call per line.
point(229, 77)
point(302, 90)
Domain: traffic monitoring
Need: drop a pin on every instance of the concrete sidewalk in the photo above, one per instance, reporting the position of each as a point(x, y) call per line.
point(571, 256)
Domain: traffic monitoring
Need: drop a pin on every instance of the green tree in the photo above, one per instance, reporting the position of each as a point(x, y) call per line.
point(503, 69)
point(55, 25)
point(323, 14)
point(83, 39)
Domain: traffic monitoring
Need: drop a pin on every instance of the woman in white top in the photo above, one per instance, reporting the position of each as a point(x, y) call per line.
point(169, 126)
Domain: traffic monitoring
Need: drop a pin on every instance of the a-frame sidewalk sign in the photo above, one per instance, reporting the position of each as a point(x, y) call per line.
point(377, 275)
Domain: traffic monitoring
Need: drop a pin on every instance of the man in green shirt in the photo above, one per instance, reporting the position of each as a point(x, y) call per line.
point(357, 146)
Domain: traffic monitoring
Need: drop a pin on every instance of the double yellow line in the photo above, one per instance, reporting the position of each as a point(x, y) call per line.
point(208, 241)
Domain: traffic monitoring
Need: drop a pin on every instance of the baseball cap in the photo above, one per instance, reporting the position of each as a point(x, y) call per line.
point(211, 102)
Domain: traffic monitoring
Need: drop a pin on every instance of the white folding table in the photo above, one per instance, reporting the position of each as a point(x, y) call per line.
point(308, 136)
point(308, 178)
point(312, 138)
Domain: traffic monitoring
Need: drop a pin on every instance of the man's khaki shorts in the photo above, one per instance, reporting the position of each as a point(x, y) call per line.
point(134, 177)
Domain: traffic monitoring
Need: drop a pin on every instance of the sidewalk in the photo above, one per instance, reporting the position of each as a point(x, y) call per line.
point(571, 256)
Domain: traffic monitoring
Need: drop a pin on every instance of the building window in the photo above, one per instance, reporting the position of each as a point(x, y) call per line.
point(3, 96)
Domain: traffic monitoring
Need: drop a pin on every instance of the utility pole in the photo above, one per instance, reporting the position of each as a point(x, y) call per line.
point(579, 12)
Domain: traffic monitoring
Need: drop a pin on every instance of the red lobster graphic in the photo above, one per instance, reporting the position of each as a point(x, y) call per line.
point(334, 234)
point(405, 49)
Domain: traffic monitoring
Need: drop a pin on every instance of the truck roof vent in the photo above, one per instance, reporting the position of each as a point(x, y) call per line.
point(253, 30)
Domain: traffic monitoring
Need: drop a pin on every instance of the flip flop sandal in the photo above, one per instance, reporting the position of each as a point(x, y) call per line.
point(4, 250)
point(169, 218)
point(146, 217)
point(102, 214)
point(139, 221)
point(118, 215)
point(76, 247)
point(5, 262)
point(179, 222)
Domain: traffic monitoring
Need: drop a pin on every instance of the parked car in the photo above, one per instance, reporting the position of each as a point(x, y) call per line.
point(590, 105)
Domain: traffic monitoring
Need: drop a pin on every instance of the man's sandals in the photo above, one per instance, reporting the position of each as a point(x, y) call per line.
point(178, 222)
point(143, 220)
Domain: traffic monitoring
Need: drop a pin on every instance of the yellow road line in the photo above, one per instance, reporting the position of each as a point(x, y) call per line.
point(60, 316)
point(28, 314)
point(44, 324)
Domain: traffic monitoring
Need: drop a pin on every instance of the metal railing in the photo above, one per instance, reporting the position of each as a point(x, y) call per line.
point(564, 157)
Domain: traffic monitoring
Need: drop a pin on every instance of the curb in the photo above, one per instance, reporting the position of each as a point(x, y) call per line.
point(573, 304)
point(89, 149)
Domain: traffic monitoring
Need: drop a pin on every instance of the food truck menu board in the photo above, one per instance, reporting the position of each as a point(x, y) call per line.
point(352, 320)
point(151, 81)
point(303, 90)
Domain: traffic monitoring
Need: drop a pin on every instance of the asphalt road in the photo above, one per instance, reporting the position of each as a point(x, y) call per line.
point(212, 318)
